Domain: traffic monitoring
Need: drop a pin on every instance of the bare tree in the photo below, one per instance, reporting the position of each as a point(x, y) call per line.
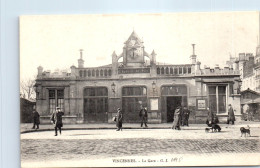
point(27, 88)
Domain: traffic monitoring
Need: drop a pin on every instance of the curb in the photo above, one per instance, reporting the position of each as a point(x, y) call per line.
point(106, 128)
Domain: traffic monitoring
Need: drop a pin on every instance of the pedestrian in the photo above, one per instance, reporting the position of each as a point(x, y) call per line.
point(231, 115)
point(36, 119)
point(56, 119)
point(144, 116)
point(250, 114)
point(209, 118)
point(186, 114)
point(181, 115)
point(119, 119)
point(176, 119)
point(246, 114)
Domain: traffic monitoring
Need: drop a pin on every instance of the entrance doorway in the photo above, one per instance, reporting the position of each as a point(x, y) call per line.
point(172, 103)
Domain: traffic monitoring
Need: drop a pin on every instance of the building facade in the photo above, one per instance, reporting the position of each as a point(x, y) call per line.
point(92, 95)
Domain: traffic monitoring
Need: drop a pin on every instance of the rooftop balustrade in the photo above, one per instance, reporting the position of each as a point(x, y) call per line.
point(94, 72)
point(173, 70)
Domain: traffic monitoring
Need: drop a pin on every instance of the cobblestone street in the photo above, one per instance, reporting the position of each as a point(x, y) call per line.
point(78, 145)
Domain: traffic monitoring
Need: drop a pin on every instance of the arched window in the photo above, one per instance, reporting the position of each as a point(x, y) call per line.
point(105, 72)
point(97, 72)
point(109, 72)
point(162, 70)
point(93, 72)
point(101, 72)
point(167, 70)
point(171, 71)
point(85, 73)
point(158, 70)
point(89, 73)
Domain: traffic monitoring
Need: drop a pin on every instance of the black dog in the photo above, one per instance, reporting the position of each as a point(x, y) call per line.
point(214, 127)
point(245, 131)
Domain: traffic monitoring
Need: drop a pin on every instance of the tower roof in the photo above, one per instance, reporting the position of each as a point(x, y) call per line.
point(134, 40)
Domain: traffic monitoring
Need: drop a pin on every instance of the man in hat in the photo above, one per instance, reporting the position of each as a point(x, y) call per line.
point(119, 119)
point(56, 119)
point(36, 119)
point(231, 115)
point(143, 115)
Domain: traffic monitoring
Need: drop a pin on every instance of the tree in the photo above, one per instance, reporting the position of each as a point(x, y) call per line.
point(27, 88)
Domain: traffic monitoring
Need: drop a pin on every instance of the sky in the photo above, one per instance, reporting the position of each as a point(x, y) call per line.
point(54, 41)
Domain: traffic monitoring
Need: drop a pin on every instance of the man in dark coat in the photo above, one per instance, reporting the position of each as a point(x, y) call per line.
point(119, 119)
point(56, 119)
point(143, 115)
point(186, 114)
point(36, 119)
point(231, 115)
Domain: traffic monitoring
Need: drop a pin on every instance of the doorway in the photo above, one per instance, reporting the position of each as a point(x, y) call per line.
point(172, 103)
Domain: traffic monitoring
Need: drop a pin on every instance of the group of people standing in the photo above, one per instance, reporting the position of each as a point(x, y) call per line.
point(180, 117)
point(143, 114)
point(212, 118)
point(56, 119)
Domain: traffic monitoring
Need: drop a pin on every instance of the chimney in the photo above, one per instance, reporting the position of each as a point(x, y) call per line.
point(40, 69)
point(198, 66)
point(81, 61)
point(153, 60)
point(193, 56)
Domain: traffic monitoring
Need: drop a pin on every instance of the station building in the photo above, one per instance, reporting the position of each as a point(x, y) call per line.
point(92, 95)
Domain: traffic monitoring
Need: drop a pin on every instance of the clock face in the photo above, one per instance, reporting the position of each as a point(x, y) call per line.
point(134, 52)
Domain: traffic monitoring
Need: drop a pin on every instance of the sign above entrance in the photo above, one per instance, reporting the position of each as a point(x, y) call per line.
point(135, 70)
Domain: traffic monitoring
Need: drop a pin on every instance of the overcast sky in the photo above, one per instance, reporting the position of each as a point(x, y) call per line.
point(53, 41)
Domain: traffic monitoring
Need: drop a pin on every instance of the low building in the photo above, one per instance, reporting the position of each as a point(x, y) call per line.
point(250, 100)
point(92, 95)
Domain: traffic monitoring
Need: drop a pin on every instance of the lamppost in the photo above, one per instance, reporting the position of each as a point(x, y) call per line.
point(113, 86)
point(153, 86)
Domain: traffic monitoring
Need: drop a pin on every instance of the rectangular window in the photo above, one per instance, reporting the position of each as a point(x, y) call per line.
point(184, 70)
point(56, 99)
point(189, 70)
point(180, 70)
point(217, 99)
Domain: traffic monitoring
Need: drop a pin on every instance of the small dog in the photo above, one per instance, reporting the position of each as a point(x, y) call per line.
point(245, 131)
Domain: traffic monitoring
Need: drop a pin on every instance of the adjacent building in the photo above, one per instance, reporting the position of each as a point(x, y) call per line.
point(92, 95)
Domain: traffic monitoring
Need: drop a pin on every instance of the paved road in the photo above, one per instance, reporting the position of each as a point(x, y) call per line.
point(78, 145)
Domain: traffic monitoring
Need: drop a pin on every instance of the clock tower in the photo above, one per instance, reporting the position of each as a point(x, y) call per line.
point(133, 55)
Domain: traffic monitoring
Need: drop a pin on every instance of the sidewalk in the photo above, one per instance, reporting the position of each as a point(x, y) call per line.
point(27, 127)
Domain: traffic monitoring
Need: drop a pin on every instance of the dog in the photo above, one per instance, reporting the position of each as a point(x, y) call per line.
point(214, 128)
point(245, 131)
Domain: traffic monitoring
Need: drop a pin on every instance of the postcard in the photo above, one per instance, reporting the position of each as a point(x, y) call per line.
point(131, 90)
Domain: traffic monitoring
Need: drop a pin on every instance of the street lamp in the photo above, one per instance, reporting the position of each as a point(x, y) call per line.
point(113, 86)
point(153, 86)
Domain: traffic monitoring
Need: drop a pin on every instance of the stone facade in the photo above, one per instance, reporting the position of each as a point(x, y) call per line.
point(89, 95)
